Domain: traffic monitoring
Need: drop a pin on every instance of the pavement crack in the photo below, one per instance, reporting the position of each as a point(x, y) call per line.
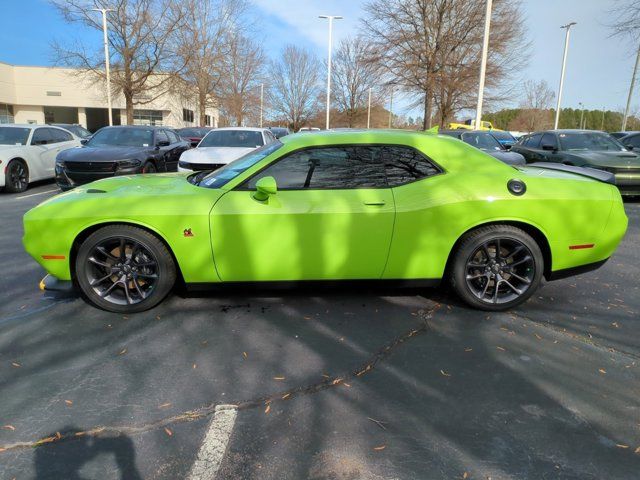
point(197, 414)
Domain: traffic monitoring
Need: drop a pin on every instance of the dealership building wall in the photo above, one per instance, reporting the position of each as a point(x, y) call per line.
point(61, 95)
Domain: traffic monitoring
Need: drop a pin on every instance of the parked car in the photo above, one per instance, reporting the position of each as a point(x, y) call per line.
point(120, 150)
point(485, 141)
point(505, 138)
point(223, 145)
point(470, 124)
point(377, 205)
point(28, 153)
point(309, 129)
point(584, 148)
point(631, 141)
point(78, 130)
point(280, 132)
point(193, 135)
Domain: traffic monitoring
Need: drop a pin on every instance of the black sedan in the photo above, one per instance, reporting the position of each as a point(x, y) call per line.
point(123, 150)
point(485, 141)
point(584, 148)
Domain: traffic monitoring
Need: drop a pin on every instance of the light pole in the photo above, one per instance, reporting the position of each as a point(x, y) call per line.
point(564, 64)
point(391, 108)
point(483, 64)
point(633, 82)
point(106, 57)
point(369, 111)
point(331, 19)
point(581, 113)
point(261, 102)
point(602, 123)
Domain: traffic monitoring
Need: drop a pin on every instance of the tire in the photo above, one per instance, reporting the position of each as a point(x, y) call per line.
point(476, 271)
point(124, 280)
point(16, 177)
point(149, 167)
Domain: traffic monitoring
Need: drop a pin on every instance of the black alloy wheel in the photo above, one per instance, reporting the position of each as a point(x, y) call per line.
point(124, 269)
point(497, 267)
point(17, 177)
point(149, 167)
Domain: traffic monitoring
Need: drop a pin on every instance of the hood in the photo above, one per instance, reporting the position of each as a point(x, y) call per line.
point(621, 159)
point(102, 154)
point(214, 154)
point(510, 158)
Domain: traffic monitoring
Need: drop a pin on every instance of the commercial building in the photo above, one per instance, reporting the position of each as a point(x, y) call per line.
point(62, 95)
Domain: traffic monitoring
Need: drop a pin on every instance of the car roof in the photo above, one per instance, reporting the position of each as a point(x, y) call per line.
point(567, 130)
point(22, 125)
point(372, 136)
point(246, 129)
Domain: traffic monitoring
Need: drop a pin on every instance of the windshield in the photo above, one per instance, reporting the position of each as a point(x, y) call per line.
point(483, 141)
point(589, 141)
point(193, 132)
point(503, 136)
point(220, 177)
point(232, 138)
point(125, 137)
point(78, 131)
point(14, 136)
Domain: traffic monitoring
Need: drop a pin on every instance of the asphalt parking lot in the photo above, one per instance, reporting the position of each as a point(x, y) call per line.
point(392, 384)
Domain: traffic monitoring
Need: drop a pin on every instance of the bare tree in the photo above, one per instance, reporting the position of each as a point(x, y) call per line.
point(352, 77)
point(294, 91)
point(535, 108)
point(243, 73)
point(141, 38)
point(204, 43)
point(624, 18)
point(432, 47)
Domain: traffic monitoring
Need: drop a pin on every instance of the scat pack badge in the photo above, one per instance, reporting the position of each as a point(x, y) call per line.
point(187, 232)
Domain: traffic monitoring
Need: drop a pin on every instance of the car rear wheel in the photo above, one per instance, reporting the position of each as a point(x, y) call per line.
point(497, 267)
point(124, 269)
point(16, 177)
point(149, 167)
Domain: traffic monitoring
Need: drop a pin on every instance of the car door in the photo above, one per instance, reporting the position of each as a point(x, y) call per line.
point(163, 147)
point(331, 218)
point(549, 148)
point(176, 147)
point(43, 150)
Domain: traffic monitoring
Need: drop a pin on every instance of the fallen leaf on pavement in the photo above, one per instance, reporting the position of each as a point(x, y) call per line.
point(501, 349)
point(9, 427)
point(538, 336)
point(16, 364)
point(620, 445)
point(468, 349)
point(69, 402)
point(244, 354)
point(278, 378)
point(122, 352)
point(637, 450)
point(346, 384)
point(194, 366)
point(381, 447)
point(268, 409)
point(285, 396)
point(602, 370)
point(168, 431)
point(465, 475)
point(445, 373)
point(165, 405)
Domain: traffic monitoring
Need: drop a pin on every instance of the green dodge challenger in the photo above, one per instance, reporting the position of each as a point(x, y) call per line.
point(414, 207)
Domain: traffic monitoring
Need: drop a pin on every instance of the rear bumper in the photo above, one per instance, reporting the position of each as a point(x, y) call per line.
point(570, 272)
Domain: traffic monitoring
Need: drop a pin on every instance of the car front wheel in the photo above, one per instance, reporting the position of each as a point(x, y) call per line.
point(497, 267)
point(17, 177)
point(124, 269)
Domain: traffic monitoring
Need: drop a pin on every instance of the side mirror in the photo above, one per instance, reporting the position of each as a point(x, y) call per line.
point(265, 187)
point(507, 146)
point(84, 141)
point(163, 143)
point(629, 147)
point(548, 147)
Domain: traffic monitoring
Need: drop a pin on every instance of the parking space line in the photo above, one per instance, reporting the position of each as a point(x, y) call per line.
point(34, 194)
point(214, 444)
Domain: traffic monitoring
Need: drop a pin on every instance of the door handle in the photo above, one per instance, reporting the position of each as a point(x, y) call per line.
point(375, 202)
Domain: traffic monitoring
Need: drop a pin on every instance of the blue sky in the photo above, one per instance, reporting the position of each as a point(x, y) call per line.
point(598, 69)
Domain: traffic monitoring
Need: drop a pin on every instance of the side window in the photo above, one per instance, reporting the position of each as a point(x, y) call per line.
point(549, 139)
point(633, 141)
point(42, 136)
point(533, 141)
point(269, 137)
point(326, 168)
point(173, 138)
point(161, 136)
point(61, 135)
point(405, 165)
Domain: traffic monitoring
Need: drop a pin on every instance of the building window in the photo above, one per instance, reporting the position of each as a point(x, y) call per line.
point(187, 115)
point(207, 119)
point(6, 113)
point(147, 117)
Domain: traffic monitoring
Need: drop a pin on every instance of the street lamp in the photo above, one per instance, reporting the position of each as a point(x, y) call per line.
point(581, 113)
point(369, 111)
point(483, 64)
point(564, 64)
point(391, 108)
point(106, 57)
point(331, 18)
point(261, 102)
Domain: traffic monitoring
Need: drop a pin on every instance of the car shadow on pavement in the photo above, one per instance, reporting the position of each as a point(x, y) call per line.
point(71, 460)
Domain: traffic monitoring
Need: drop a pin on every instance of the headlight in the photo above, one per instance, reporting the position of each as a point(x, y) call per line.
point(59, 163)
point(128, 163)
